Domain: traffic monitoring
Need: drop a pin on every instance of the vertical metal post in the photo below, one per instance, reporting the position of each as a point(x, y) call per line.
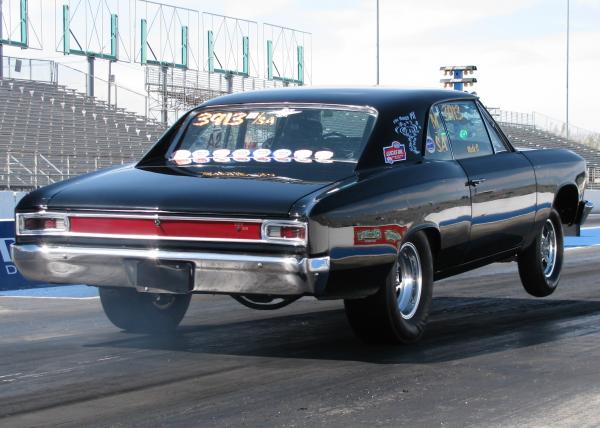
point(229, 78)
point(377, 44)
point(269, 60)
point(300, 54)
point(109, 81)
point(143, 41)
point(458, 75)
point(568, 58)
point(164, 110)
point(245, 55)
point(211, 52)
point(90, 76)
point(1, 48)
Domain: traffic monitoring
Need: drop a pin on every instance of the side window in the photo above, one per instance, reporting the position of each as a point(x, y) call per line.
point(467, 132)
point(497, 140)
point(436, 144)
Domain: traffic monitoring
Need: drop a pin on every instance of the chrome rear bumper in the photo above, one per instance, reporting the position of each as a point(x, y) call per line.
point(212, 273)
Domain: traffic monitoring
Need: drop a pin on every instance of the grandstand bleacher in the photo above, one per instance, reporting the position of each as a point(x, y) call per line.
point(530, 137)
point(49, 132)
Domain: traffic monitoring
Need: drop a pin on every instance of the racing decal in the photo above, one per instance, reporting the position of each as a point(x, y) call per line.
point(410, 127)
point(221, 153)
point(451, 112)
point(220, 118)
point(473, 148)
point(394, 153)
point(241, 155)
point(430, 145)
point(441, 143)
point(262, 155)
point(301, 155)
point(282, 154)
point(182, 157)
point(284, 112)
point(201, 156)
point(390, 234)
point(324, 156)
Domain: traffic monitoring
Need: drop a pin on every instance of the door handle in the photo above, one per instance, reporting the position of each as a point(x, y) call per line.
point(474, 182)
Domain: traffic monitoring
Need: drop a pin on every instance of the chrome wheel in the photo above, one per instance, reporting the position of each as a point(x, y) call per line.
point(409, 280)
point(548, 248)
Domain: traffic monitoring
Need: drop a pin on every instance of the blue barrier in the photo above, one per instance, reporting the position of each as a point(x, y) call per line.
point(10, 278)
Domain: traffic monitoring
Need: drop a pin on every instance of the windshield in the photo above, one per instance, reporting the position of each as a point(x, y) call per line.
point(267, 137)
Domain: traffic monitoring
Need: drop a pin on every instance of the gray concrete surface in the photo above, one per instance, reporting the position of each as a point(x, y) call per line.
point(593, 196)
point(492, 356)
point(8, 201)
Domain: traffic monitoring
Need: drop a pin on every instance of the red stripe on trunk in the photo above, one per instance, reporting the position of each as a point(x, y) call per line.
point(166, 228)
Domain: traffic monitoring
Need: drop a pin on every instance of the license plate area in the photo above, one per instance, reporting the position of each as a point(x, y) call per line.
point(164, 276)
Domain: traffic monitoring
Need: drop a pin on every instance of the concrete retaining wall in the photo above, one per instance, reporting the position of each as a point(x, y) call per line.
point(594, 196)
point(8, 201)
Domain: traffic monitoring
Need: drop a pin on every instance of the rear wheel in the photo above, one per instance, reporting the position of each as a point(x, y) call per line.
point(398, 312)
point(540, 264)
point(144, 312)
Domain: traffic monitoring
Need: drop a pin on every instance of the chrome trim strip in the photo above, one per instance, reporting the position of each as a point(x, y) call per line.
point(214, 272)
point(315, 105)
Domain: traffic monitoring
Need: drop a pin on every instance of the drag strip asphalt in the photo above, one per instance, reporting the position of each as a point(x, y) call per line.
point(492, 356)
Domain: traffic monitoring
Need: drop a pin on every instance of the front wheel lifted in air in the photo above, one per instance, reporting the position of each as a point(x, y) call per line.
point(540, 264)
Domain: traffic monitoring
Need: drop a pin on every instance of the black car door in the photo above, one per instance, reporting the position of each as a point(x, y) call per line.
point(501, 181)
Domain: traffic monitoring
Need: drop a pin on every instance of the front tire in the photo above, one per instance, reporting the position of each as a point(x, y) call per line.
point(143, 312)
point(540, 264)
point(398, 312)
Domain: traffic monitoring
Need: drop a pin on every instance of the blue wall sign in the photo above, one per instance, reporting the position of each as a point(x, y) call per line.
point(10, 278)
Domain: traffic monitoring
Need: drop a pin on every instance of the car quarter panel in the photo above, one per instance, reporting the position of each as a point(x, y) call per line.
point(366, 221)
point(555, 169)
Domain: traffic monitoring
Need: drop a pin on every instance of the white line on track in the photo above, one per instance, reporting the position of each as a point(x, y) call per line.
point(51, 297)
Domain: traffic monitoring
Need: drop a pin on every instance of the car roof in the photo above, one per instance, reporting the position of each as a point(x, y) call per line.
point(380, 98)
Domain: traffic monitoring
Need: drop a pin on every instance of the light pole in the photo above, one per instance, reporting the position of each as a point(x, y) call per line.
point(377, 42)
point(568, 58)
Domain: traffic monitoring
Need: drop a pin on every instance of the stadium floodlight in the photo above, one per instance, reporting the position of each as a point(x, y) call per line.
point(458, 80)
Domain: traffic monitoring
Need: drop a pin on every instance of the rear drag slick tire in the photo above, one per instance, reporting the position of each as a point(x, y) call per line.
point(398, 312)
point(143, 312)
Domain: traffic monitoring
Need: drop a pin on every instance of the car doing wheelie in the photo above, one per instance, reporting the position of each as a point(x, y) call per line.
point(367, 195)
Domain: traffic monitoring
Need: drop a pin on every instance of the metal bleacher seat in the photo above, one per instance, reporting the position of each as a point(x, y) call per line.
point(74, 132)
point(528, 137)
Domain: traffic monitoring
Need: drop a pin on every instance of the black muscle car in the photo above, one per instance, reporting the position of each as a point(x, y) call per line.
point(367, 195)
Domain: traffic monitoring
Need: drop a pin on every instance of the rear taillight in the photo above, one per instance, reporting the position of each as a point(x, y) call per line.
point(41, 223)
point(284, 232)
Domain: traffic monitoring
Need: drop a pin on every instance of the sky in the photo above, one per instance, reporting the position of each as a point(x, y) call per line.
point(519, 46)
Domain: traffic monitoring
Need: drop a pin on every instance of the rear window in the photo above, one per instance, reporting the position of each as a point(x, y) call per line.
point(269, 135)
